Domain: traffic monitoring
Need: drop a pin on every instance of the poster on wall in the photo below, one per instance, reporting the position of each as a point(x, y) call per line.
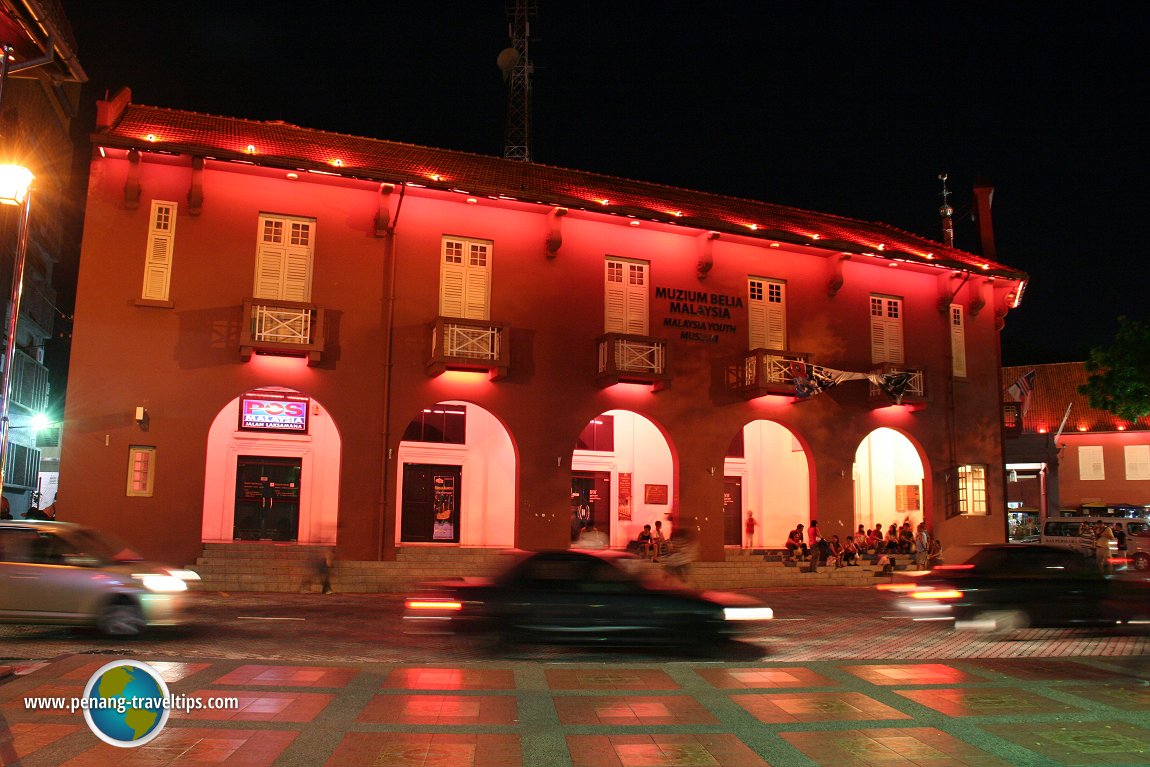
point(271, 411)
point(443, 504)
point(906, 498)
point(655, 494)
point(625, 497)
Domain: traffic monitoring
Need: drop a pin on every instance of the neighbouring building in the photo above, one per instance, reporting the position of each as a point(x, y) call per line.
point(1062, 454)
point(285, 334)
point(39, 100)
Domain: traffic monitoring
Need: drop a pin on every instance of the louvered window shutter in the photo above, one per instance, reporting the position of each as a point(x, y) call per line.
point(756, 315)
point(284, 255)
point(957, 341)
point(637, 299)
point(886, 330)
point(615, 298)
point(776, 318)
point(465, 279)
point(161, 243)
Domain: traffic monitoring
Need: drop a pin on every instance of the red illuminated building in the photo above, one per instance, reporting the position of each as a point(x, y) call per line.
point(287, 334)
point(1063, 455)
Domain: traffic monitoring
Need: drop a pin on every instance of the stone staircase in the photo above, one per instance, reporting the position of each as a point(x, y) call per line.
point(295, 568)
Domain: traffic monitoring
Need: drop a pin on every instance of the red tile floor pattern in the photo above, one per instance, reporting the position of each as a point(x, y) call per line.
point(1084, 712)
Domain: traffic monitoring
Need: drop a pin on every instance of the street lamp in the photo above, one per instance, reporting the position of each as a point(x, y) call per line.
point(15, 189)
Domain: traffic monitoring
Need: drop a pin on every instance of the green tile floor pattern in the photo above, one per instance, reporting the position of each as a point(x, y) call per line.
point(1097, 713)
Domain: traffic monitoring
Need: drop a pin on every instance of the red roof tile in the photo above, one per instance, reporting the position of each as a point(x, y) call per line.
point(278, 144)
point(1055, 387)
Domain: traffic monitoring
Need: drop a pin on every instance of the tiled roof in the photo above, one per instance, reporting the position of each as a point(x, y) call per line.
point(281, 145)
point(1055, 387)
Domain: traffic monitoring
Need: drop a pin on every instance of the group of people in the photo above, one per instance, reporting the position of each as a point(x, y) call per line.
point(810, 546)
point(1100, 539)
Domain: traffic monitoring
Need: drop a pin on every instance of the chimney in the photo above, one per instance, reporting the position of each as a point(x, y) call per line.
point(108, 111)
point(983, 198)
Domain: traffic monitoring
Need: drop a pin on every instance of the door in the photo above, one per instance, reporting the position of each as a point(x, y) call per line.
point(431, 496)
point(590, 501)
point(732, 511)
point(267, 498)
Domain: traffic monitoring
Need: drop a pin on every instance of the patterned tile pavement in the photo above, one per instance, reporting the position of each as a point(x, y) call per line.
point(510, 713)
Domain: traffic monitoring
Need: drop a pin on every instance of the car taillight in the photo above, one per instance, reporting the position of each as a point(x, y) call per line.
point(953, 567)
point(433, 604)
point(898, 587)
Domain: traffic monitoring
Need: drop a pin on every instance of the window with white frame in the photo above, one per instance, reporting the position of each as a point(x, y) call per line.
point(285, 247)
point(767, 313)
point(465, 278)
point(1137, 461)
point(885, 329)
point(626, 297)
point(1090, 463)
point(972, 489)
point(957, 341)
point(141, 470)
point(161, 244)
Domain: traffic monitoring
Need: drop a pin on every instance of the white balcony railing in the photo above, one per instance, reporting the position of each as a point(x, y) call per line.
point(281, 325)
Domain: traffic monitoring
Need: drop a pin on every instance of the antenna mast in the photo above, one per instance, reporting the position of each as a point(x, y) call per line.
point(517, 70)
point(946, 213)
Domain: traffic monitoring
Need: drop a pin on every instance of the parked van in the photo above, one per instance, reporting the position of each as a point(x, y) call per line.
point(1138, 550)
point(1067, 531)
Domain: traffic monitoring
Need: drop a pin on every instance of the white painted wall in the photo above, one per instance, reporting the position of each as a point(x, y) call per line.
point(320, 451)
point(776, 481)
point(885, 458)
point(487, 498)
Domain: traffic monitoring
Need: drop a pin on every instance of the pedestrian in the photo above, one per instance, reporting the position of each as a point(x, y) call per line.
point(1102, 540)
point(814, 545)
point(658, 540)
point(645, 541)
point(921, 546)
point(750, 529)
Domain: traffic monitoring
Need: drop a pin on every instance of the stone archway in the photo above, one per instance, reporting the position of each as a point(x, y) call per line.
point(773, 479)
point(889, 480)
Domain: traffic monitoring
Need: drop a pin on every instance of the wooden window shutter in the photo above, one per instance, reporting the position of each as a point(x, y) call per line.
point(465, 279)
point(161, 243)
point(284, 263)
point(957, 341)
point(756, 315)
point(615, 298)
point(776, 306)
point(637, 299)
point(886, 330)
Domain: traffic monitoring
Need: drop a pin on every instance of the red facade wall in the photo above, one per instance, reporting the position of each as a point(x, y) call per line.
point(182, 362)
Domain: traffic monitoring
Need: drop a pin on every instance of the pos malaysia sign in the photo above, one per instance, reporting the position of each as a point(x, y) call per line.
point(268, 411)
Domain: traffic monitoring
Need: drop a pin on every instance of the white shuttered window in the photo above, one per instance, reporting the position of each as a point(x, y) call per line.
point(626, 297)
point(957, 341)
point(1137, 461)
point(767, 313)
point(885, 329)
point(465, 279)
point(1090, 462)
point(285, 248)
point(161, 243)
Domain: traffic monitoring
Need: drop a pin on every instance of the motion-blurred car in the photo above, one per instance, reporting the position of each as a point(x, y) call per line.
point(1000, 587)
point(67, 574)
point(582, 598)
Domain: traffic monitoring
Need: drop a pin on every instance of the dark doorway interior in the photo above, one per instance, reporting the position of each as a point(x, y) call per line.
point(430, 503)
point(590, 501)
point(267, 498)
point(732, 511)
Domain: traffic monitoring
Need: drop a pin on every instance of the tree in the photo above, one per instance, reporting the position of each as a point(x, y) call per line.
point(1119, 379)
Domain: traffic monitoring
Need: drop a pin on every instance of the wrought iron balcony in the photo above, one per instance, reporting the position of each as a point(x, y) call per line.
point(286, 328)
point(627, 358)
point(903, 385)
point(459, 344)
point(765, 371)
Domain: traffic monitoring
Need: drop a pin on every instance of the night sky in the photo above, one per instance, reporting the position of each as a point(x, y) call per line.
point(850, 107)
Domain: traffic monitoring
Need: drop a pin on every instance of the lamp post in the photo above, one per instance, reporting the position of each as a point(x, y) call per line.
point(15, 189)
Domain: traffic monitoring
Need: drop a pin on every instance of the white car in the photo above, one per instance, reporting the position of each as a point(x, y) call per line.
point(66, 574)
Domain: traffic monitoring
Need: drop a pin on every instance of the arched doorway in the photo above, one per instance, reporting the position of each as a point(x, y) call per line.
point(622, 477)
point(766, 473)
point(273, 470)
point(456, 482)
point(888, 474)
